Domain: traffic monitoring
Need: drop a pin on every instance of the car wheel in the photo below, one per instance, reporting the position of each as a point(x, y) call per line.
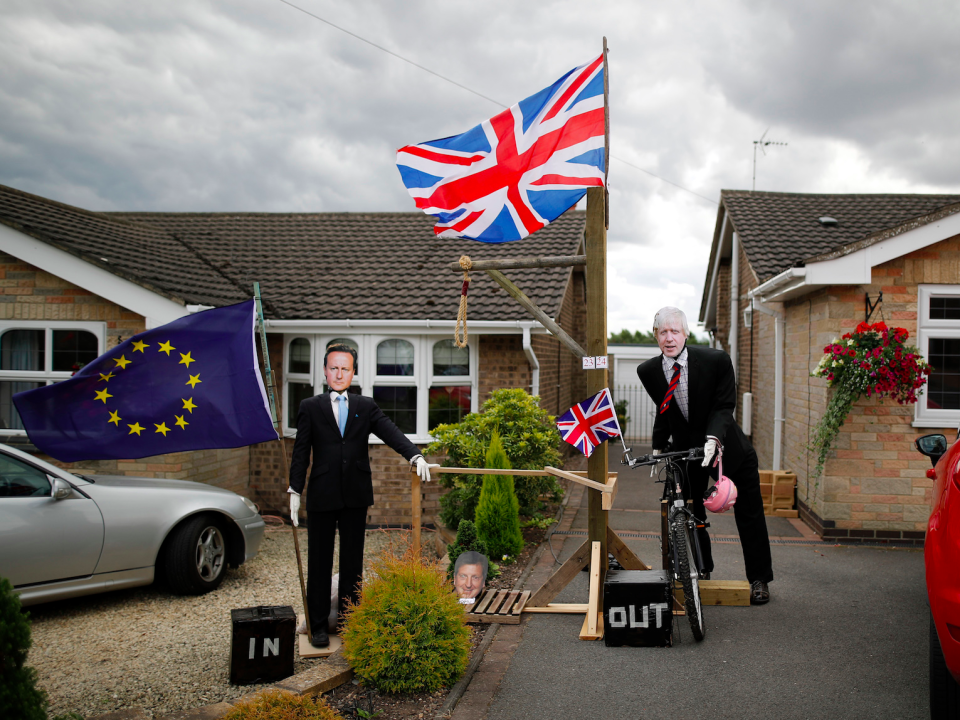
point(944, 690)
point(196, 556)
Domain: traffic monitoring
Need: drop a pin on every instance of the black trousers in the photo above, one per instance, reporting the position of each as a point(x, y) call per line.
point(321, 526)
point(748, 512)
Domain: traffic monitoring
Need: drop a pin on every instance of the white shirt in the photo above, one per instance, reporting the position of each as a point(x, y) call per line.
point(681, 395)
point(336, 404)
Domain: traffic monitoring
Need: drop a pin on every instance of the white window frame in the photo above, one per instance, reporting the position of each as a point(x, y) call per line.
point(290, 377)
point(927, 329)
point(47, 375)
point(367, 378)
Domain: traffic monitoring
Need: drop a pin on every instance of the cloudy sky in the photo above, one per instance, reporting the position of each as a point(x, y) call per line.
point(253, 105)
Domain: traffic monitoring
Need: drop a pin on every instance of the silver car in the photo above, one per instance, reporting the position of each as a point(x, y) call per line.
point(63, 535)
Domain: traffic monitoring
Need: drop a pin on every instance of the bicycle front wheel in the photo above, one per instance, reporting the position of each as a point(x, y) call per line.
point(682, 537)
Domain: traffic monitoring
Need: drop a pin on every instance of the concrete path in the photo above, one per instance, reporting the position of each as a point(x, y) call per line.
point(845, 635)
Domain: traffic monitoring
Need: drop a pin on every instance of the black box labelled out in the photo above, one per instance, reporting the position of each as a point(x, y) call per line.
point(262, 648)
point(638, 608)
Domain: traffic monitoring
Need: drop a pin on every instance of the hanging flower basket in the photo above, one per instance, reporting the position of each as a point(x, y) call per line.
point(873, 361)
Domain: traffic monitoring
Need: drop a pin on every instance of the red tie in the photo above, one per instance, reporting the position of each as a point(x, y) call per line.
point(674, 381)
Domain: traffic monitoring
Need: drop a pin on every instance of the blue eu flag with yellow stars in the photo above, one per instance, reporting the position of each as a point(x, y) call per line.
point(192, 384)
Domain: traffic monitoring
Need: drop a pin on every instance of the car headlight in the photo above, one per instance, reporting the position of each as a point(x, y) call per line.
point(250, 504)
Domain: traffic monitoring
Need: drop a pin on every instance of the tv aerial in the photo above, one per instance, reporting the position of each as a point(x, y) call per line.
point(762, 144)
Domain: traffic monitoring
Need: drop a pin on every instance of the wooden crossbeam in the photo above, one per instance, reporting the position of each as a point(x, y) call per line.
point(592, 627)
point(558, 581)
point(526, 262)
point(624, 555)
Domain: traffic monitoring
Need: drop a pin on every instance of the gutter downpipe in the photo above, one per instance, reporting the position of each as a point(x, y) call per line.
point(532, 359)
point(778, 341)
point(734, 301)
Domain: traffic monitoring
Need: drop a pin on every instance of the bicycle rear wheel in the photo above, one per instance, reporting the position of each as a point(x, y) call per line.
point(682, 538)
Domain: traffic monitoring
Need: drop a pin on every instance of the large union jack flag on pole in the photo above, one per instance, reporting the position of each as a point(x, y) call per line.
point(590, 422)
point(511, 175)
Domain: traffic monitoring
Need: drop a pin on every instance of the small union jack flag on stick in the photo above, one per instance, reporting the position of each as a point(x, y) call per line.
point(590, 422)
point(518, 171)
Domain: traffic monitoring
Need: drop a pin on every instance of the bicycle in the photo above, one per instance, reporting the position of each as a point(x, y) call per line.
point(683, 553)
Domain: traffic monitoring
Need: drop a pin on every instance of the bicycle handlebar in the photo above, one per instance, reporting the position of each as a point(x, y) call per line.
point(694, 453)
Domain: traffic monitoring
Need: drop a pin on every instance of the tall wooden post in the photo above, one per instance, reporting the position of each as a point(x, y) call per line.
point(595, 239)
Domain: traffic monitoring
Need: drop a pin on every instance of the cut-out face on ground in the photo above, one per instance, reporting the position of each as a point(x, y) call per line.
point(470, 575)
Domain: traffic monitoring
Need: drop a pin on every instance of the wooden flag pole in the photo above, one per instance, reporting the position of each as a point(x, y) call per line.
point(283, 447)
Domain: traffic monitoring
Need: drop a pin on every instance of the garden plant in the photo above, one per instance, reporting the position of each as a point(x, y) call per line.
point(498, 511)
point(874, 361)
point(530, 439)
point(19, 695)
point(279, 705)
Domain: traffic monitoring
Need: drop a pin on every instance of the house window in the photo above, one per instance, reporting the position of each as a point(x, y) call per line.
point(33, 355)
point(451, 388)
point(419, 381)
point(299, 379)
point(938, 339)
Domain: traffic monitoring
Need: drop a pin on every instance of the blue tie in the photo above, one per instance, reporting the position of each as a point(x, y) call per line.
point(342, 399)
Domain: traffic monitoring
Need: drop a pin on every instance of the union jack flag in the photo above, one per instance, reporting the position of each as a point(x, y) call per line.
point(515, 173)
point(589, 422)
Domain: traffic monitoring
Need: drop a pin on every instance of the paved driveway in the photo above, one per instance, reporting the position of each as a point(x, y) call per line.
point(845, 635)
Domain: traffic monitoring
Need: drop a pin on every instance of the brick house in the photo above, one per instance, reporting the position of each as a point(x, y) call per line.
point(790, 272)
point(76, 282)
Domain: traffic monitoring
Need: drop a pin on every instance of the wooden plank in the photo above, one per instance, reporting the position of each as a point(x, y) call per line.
point(307, 650)
point(564, 574)
point(784, 513)
point(500, 619)
point(611, 494)
point(487, 471)
point(626, 557)
point(559, 609)
point(531, 307)
point(415, 507)
point(593, 600)
point(524, 262)
point(600, 487)
point(731, 593)
point(481, 606)
point(521, 602)
point(497, 602)
point(509, 602)
point(597, 634)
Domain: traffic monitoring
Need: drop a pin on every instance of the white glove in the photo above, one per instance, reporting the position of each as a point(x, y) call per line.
point(423, 467)
point(709, 450)
point(295, 509)
point(653, 468)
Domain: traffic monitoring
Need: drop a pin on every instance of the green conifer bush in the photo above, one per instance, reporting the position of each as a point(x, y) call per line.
point(530, 439)
point(279, 705)
point(408, 633)
point(498, 511)
point(19, 695)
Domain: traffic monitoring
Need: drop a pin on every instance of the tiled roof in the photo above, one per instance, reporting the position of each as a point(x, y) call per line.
point(782, 230)
point(309, 265)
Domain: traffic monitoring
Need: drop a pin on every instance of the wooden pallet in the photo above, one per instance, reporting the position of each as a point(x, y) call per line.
point(776, 487)
point(499, 606)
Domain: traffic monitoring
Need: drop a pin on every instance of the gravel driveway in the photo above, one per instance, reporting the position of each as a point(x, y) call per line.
point(147, 648)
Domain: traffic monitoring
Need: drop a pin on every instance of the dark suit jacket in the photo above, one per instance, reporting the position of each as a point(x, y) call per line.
point(712, 399)
point(340, 476)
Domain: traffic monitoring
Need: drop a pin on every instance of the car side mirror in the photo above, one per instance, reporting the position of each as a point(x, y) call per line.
point(933, 446)
point(61, 488)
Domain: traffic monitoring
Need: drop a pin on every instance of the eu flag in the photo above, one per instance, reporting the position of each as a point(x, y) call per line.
point(192, 384)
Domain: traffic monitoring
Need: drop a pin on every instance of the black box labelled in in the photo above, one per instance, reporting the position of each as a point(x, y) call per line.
point(263, 638)
point(638, 608)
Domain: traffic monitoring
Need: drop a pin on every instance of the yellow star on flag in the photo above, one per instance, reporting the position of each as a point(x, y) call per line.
point(162, 429)
point(188, 405)
point(166, 347)
point(181, 422)
point(139, 345)
point(135, 428)
point(186, 359)
point(103, 395)
point(106, 378)
point(115, 418)
point(122, 362)
point(194, 379)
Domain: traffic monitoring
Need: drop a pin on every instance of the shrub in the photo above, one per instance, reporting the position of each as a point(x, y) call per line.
point(19, 695)
point(529, 437)
point(408, 633)
point(467, 540)
point(279, 705)
point(498, 512)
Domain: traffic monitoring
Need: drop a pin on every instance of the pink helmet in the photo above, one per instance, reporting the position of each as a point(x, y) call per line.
point(723, 495)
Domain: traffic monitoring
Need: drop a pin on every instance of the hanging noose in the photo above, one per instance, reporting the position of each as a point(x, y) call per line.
point(460, 336)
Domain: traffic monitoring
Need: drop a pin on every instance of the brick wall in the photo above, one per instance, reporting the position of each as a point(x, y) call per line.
point(503, 364)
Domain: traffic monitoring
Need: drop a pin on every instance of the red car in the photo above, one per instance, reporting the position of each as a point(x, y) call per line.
point(941, 554)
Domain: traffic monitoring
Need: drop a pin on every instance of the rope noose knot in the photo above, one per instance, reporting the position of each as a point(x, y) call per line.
point(460, 336)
